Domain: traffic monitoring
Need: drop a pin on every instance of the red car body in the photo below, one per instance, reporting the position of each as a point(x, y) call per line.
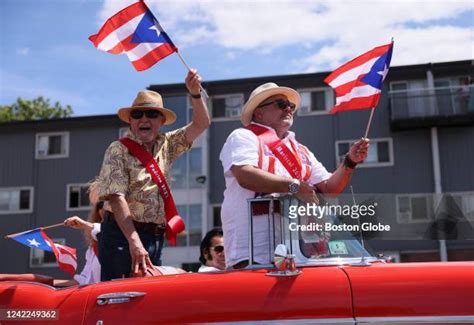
point(333, 289)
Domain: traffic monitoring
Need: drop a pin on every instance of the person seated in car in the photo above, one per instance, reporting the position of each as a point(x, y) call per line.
point(212, 251)
point(265, 157)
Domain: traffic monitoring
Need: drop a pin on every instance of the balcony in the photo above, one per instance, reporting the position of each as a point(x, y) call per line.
point(441, 106)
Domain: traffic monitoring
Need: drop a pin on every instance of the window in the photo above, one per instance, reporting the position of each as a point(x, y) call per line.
point(227, 106)
point(465, 202)
point(40, 258)
point(123, 131)
point(77, 197)
point(315, 100)
point(216, 216)
point(52, 145)
point(16, 200)
point(187, 169)
point(380, 152)
point(413, 208)
point(192, 216)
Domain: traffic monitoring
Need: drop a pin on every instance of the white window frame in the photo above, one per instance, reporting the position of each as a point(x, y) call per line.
point(329, 100)
point(20, 188)
point(66, 142)
point(34, 252)
point(399, 91)
point(414, 195)
point(122, 131)
point(225, 119)
point(373, 142)
point(68, 192)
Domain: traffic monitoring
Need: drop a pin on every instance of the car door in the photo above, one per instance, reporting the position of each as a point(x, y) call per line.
point(321, 293)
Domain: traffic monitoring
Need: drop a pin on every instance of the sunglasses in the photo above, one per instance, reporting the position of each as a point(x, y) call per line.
point(136, 114)
point(218, 248)
point(283, 104)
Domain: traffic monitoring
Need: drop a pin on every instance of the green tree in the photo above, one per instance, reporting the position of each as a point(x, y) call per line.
point(36, 109)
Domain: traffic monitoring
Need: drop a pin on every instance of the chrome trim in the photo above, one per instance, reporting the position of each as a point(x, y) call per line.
point(416, 319)
point(118, 297)
point(335, 321)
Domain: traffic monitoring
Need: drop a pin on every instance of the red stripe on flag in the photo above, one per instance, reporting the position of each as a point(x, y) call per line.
point(117, 20)
point(153, 56)
point(357, 103)
point(378, 51)
point(346, 88)
point(124, 46)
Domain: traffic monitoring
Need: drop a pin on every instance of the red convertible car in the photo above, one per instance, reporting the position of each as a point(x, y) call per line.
point(321, 278)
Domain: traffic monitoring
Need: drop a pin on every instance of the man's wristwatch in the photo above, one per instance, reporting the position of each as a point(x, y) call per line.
point(294, 186)
point(349, 163)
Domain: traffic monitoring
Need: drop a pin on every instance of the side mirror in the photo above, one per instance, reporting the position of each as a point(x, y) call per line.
point(285, 264)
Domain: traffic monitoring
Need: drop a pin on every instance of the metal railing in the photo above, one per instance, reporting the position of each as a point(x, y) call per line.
point(432, 102)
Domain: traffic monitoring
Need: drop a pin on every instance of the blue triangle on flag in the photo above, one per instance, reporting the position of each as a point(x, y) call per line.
point(377, 73)
point(149, 31)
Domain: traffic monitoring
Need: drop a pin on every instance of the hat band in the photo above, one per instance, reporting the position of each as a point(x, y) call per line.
point(148, 104)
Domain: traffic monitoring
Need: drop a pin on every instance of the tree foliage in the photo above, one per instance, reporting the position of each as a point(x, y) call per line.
point(36, 109)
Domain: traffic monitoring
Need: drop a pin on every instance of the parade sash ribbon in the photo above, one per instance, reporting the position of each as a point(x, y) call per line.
point(174, 223)
point(288, 159)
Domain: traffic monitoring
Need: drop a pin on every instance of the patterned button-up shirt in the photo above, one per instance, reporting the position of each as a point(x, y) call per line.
point(123, 174)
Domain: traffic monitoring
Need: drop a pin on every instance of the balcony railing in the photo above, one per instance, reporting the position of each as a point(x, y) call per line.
point(432, 104)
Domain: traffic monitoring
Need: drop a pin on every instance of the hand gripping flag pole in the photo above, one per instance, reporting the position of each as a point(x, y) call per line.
point(136, 32)
point(358, 83)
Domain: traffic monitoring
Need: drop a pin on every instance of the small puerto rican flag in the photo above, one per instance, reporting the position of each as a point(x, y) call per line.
point(358, 83)
point(37, 238)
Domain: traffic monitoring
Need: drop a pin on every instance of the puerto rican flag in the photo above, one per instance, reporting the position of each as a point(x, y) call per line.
point(358, 83)
point(37, 238)
point(135, 32)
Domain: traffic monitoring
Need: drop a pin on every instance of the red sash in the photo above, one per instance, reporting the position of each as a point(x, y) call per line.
point(174, 223)
point(287, 158)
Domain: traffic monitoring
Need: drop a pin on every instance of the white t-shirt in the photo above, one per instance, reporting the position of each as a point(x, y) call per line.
point(241, 148)
point(91, 271)
point(205, 268)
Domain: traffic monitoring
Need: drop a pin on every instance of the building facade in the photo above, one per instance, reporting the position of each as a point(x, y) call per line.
point(422, 148)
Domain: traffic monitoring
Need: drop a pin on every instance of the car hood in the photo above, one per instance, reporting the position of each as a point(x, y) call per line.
point(418, 289)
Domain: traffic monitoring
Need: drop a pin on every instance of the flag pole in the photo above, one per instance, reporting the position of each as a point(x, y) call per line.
point(189, 68)
point(369, 123)
point(23, 232)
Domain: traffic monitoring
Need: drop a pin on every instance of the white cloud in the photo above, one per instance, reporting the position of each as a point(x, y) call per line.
point(334, 30)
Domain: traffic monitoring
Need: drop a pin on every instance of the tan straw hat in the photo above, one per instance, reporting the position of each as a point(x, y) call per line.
point(261, 93)
point(147, 100)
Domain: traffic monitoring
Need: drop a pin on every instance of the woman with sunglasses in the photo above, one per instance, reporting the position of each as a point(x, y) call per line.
point(212, 251)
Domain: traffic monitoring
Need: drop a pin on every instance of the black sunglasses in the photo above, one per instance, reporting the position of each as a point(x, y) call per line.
point(282, 104)
point(218, 248)
point(136, 114)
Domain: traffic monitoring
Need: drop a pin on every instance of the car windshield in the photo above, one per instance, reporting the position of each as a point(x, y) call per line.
point(327, 237)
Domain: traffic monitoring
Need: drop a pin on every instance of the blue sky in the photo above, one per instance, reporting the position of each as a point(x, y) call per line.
point(45, 51)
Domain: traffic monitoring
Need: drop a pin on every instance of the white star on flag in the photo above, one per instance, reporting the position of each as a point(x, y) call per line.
point(33, 242)
point(384, 72)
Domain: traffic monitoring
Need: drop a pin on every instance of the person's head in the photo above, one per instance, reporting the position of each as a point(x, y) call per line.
point(271, 105)
point(212, 249)
point(146, 115)
point(96, 213)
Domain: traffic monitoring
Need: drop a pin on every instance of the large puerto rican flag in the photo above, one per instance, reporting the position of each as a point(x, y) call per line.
point(358, 83)
point(137, 33)
point(37, 238)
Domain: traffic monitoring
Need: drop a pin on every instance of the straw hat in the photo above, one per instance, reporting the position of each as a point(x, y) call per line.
point(147, 100)
point(261, 93)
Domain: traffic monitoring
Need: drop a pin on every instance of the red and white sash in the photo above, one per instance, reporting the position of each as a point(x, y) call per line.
point(295, 161)
point(174, 223)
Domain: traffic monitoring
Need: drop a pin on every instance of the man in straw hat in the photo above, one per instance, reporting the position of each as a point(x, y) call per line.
point(136, 220)
point(264, 157)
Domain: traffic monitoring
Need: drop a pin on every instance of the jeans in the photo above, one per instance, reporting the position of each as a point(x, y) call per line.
point(114, 253)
